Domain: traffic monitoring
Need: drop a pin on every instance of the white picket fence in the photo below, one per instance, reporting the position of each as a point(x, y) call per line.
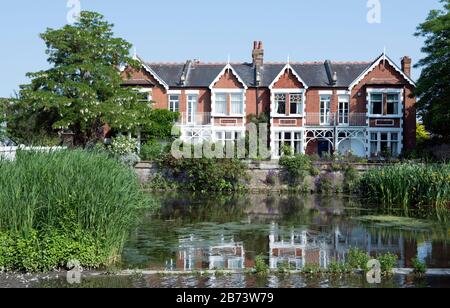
point(9, 153)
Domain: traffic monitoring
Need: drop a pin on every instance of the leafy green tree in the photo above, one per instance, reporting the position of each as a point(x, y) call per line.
point(433, 87)
point(81, 91)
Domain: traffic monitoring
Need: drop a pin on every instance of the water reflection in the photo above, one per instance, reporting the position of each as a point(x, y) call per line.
point(228, 232)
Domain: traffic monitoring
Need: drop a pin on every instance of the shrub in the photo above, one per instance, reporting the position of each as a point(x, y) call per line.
point(70, 203)
point(271, 178)
point(358, 259)
point(261, 266)
point(122, 145)
point(350, 178)
point(152, 150)
point(311, 269)
point(205, 174)
point(297, 167)
point(338, 268)
point(324, 183)
point(387, 261)
point(420, 268)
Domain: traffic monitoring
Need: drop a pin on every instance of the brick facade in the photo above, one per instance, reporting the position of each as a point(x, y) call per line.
point(350, 82)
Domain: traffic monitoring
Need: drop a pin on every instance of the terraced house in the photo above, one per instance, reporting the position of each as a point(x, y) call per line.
point(364, 108)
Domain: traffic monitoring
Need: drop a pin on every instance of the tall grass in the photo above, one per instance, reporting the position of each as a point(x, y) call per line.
point(422, 189)
point(68, 191)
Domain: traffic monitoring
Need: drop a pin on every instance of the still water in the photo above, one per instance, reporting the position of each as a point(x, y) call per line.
point(195, 232)
point(198, 232)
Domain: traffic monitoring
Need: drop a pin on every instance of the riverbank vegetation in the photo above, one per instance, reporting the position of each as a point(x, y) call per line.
point(414, 189)
point(56, 207)
point(201, 175)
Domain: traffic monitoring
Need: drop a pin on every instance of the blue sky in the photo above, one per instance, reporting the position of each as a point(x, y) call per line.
point(176, 30)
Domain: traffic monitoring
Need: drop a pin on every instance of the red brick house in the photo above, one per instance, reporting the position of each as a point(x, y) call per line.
point(318, 107)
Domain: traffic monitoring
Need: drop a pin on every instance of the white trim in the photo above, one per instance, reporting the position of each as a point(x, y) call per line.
point(192, 92)
point(152, 72)
point(326, 92)
point(227, 91)
point(286, 67)
point(288, 91)
point(387, 116)
point(385, 90)
point(173, 92)
point(343, 92)
point(227, 67)
point(384, 129)
point(383, 57)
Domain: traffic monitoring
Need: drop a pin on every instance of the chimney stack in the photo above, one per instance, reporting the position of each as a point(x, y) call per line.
point(406, 65)
point(258, 54)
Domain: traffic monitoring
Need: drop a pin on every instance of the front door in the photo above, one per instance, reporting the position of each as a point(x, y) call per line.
point(192, 106)
point(323, 147)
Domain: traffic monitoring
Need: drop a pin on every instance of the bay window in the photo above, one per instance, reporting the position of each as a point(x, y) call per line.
point(376, 103)
point(290, 139)
point(382, 143)
point(385, 102)
point(392, 104)
point(221, 103)
point(280, 103)
point(229, 103)
point(295, 100)
point(237, 104)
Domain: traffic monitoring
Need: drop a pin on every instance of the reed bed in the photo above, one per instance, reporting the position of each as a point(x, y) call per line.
point(415, 189)
point(74, 195)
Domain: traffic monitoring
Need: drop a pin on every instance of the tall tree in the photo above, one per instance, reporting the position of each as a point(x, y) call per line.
point(433, 87)
point(81, 91)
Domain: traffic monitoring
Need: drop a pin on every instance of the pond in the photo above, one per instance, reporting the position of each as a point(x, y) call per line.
point(198, 232)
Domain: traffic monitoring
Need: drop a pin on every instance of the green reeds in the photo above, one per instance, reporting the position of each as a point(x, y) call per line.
point(421, 188)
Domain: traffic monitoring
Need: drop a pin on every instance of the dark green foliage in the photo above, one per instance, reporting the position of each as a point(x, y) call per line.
point(387, 261)
point(81, 91)
point(261, 266)
point(419, 267)
point(424, 188)
point(297, 167)
point(205, 174)
point(358, 259)
point(152, 150)
point(350, 178)
point(433, 86)
point(70, 203)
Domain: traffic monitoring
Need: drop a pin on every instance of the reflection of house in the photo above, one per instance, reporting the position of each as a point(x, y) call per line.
point(193, 254)
point(300, 247)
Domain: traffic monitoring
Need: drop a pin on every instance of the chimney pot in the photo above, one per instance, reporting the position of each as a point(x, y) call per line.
point(255, 45)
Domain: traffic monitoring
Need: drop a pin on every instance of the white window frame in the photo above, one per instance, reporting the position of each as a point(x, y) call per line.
point(228, 93)
point(277, 141)
point(389, 141)
point(325, 112)
point(217, 95)
point(345, 101)
point(172, 102)
point(241, 102)
point(384, 92)
point(287, 92)
point(145, 90)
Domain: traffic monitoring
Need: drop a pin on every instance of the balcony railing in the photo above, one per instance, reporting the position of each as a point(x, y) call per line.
point(335, 119)
point(195, 118)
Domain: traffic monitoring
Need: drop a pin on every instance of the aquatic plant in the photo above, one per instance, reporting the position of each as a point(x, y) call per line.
point(358, 259)
point(387, 261)
point(415, 189)
point(70, 204)
point(261, 267)
point(419, 267)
